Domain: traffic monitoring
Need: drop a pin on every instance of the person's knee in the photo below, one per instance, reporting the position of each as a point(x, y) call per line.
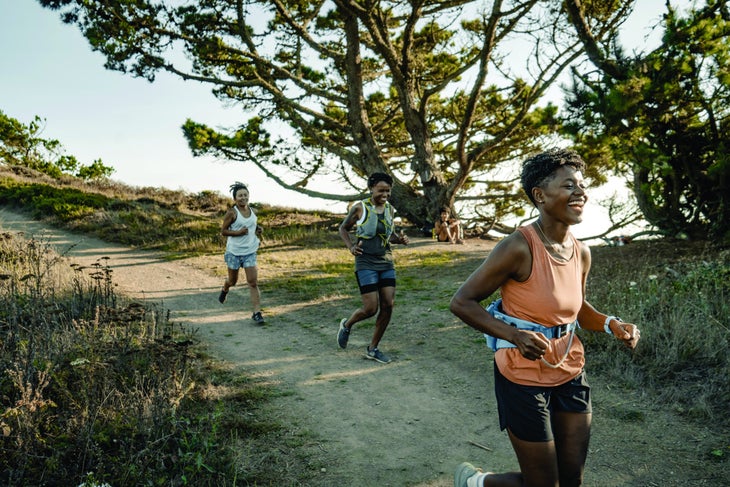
point(369, 309)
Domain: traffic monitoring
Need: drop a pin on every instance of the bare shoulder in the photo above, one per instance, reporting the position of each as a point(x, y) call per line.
point(585, 254)
point(510, 258)
point(514, 246)
point(353, 215)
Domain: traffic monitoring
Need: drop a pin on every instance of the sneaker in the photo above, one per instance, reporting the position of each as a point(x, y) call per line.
point(463, 473)
point(343, 334)
point(222, 296)
point(377, 355)
point(258, 318)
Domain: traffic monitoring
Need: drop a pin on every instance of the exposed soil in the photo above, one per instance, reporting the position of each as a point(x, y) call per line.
point(408, 423)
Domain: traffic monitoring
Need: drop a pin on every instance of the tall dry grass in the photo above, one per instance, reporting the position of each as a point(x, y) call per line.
point(99, 389)
point(679, 293)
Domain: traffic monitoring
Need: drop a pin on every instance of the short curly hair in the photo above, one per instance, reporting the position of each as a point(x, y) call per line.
point(540, 168)
point(236, 186)
point(376, 177)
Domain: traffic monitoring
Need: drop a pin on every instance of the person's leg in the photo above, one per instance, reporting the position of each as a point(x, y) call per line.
point(231, 280)
point(538, 464)
point(456, 231)
point(367, 282)
point(571, 426)
point(227, 284)
point(369, 308)
point(387, 298)
point(572, 434)
point(524, 412)
point(233, 264)
point(252, 279)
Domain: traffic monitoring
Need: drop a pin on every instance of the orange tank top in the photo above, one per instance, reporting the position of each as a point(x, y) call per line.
point(552, 295)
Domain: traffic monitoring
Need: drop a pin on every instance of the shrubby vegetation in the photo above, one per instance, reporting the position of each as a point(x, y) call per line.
point(680, 294)
point(22, 145)
point(151, 218)
point(100, 389)
point(89, 383)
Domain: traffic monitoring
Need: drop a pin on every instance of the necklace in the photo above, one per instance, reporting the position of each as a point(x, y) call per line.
point(551, 243)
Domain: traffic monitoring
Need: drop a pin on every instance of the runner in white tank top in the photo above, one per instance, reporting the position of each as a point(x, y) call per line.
point(242, 231)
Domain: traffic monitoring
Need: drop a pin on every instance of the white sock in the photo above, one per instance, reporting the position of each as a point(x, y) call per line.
point(476, 480)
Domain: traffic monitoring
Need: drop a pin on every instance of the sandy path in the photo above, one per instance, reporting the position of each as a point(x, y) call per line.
point(408, 423)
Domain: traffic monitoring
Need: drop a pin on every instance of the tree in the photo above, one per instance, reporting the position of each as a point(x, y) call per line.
point(22, 145)
point(663, 118)
point(442, 95)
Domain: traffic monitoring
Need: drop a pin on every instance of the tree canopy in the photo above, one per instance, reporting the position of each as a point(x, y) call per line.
point(23, 145)
point(446, 96)
point(443, 95)
point(663, 118)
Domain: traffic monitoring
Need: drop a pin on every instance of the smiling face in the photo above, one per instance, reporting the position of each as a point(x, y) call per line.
point(380, 193)
point(563, 195)
point(241, 197)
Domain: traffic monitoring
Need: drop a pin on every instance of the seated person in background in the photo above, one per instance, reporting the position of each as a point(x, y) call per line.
point(448, 229)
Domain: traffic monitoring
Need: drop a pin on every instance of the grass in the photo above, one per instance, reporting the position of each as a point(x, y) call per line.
point(678, 292)
point(101, 389)
point(178, 223)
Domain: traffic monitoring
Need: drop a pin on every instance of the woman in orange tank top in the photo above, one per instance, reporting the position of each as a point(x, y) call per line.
point(543, 397)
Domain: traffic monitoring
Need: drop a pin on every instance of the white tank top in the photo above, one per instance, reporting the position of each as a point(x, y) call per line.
point(244, 244)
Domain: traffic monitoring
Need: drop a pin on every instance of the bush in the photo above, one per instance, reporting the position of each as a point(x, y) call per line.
point(95, 384)
point(680, 298)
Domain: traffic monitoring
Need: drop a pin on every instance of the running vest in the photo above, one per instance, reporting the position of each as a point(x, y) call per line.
point(243, 244)
point(367, 225)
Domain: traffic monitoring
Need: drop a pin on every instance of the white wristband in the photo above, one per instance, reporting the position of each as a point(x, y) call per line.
point(607, 328)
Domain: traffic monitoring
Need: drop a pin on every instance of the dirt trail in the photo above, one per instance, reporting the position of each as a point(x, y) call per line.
point(408, 423)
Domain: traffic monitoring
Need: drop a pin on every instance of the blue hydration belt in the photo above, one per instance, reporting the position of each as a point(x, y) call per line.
point(495, 309)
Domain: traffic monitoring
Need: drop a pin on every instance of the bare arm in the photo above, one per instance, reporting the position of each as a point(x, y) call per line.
point(348, 224)
point(591, 319)
point(227, 221)
point(510, 259)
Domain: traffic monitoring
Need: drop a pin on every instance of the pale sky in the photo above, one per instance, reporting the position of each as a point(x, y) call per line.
point(48, 69)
